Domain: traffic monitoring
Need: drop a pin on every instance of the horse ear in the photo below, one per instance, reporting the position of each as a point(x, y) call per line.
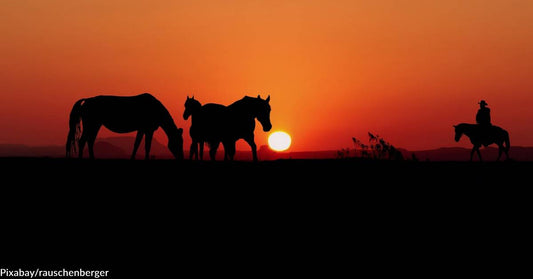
point(455, 126)
point(258, 96)
point(268, 99)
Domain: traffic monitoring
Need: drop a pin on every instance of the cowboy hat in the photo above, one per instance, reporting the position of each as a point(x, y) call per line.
point(482, 102)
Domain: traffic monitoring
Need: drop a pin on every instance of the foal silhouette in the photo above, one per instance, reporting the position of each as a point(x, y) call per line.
point(484, 135)
point(122, 114)
point(227, 124)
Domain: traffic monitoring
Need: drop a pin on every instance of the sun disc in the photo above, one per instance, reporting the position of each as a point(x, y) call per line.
point(279, 141)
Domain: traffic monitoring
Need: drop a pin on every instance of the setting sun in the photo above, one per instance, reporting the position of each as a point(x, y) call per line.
point(279, 141)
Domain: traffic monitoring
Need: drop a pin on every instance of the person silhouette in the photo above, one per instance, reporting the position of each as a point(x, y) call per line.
point(483, 114)
point(483, 119)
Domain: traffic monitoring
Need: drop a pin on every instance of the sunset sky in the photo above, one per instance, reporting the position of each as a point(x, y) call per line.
point(406, 70)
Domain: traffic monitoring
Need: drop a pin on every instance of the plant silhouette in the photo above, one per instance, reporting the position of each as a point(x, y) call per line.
point(121, 114)
point(377, 148)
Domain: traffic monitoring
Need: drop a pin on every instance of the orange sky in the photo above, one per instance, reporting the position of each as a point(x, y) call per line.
point(406, 70)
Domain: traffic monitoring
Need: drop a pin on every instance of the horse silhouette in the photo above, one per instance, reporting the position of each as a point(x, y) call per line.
point(227, 124)
point(206, 125)
point(122, 114)
point(484, 135)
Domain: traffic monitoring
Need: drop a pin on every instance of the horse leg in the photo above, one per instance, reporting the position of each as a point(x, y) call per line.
point(193, 151)
point(500, 150)
point(201, 143)
point(478, 153)
point(229, 151)
point(213, 150)
point(226, 152)
point(81, 143)
point(474, 149)
point(138, 139)
point(251, 142)
point(506, 150)
point(232, 150)
point(148, 144)
point(90, 141)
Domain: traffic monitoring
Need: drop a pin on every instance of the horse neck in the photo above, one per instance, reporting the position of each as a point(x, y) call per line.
point(168, 125)
point(469, 129)
point(194, 108)
point(243, 108)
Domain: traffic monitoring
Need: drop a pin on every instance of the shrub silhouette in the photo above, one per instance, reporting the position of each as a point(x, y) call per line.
point(377, 148)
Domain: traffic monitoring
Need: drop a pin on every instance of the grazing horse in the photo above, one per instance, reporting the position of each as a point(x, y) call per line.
point(205, 125)
point(122, 114)
point(484, 135)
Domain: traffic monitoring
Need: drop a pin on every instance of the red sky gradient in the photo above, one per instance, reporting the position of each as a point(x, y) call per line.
point(406, 70)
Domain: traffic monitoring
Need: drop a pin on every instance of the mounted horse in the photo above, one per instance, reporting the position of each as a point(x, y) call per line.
point(484, 135)
point(122, 114)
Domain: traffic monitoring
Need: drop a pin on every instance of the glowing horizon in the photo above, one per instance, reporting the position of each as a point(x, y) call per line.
point(407, 71)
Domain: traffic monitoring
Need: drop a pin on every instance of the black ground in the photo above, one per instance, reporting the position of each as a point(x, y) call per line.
point(166, 218)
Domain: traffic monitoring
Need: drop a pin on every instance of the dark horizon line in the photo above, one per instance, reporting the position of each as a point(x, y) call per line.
point(264, 145)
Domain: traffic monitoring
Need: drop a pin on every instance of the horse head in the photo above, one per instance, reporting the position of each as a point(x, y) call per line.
point(458, 132)
point(175, 143)
point(191, 106)
point(263, 113)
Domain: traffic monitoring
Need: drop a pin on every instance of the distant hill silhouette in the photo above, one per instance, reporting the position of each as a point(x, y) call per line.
point(112, 147)
point(120, 148)
point(517, 153)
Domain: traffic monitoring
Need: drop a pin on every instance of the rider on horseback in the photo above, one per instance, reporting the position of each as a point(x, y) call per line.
point(483, 133)
point(483, 114)
point(483, 118)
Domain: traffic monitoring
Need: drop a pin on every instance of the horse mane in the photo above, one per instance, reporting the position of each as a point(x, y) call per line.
point(167, 121)
point(245, 101)
point(242, 100)
point(196, 102)
point(464, 125)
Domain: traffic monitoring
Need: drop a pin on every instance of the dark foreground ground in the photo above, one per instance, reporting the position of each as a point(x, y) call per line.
point(163, 218)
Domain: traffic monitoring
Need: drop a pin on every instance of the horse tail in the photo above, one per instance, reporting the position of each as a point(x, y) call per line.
point(74, 127)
